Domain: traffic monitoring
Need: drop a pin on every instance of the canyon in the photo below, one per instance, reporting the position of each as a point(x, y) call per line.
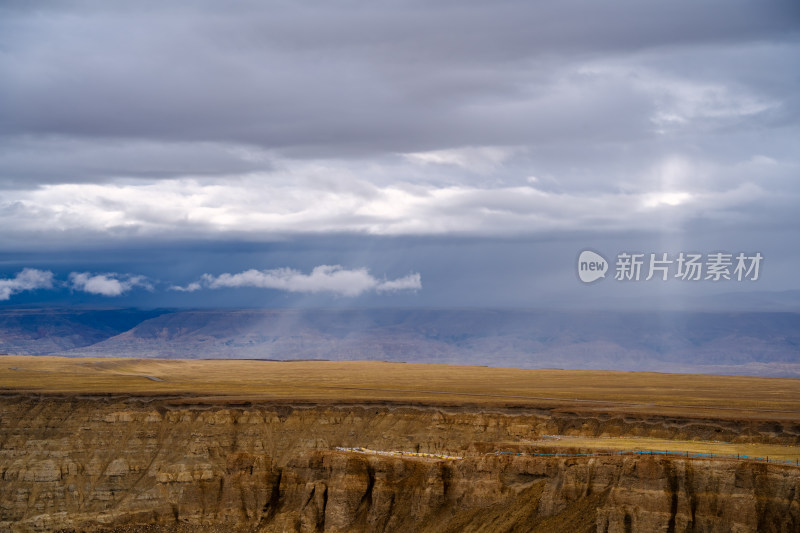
point(116, 462)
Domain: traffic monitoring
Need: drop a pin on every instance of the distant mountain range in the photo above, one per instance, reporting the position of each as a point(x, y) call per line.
point(40, 331)
point(730, 343)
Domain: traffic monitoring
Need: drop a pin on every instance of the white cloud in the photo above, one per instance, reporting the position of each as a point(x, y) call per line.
point(666, 198)
point(473, 158)
point(312, 198)
point(324, 278)
point(681, 102)
point(27, 280)
point(411, 282)
point(109, 284)
point(194, 286)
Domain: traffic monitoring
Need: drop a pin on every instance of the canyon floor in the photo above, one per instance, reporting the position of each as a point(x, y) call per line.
point(202, 445)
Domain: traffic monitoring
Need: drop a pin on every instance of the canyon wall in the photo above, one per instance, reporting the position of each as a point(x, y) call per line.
point(106, 463)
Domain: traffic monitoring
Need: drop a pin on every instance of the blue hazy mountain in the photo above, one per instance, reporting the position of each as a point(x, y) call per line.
point(766, 343)
point(38, 331)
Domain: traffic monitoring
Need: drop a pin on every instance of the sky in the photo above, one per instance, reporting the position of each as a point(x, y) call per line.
point(398, 153)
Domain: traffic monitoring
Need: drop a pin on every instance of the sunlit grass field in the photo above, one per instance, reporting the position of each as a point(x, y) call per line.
point(671, 446)
point(639, 392)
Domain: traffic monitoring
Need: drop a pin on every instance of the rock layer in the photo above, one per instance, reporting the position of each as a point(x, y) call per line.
point(160, 464)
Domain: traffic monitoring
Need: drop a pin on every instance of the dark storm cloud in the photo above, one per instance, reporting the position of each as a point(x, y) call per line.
point(27, 161)
point(339, 76)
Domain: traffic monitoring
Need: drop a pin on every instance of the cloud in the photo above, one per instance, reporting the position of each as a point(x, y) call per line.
point(264, 209)
point(394, 120)
point(78, 160)
point(192, 287)
point(109, 284)
point(481, 159)
point(28, 279)
point(394, 78)
point(411, 282)
point(324, 278)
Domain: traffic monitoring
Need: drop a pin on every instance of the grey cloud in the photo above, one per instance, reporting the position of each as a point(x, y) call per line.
point(402, 76)
point(272, 120)
point(28, 161)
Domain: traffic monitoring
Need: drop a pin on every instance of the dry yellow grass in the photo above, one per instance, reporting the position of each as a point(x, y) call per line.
point(639, 392)
point(771, 451)
point(743, 398)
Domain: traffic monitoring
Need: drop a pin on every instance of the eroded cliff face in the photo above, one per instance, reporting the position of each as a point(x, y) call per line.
point(160, 464)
